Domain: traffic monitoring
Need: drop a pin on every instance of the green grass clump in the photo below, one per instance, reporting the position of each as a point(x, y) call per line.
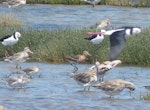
point(140, 3)
point(9, 20)
point(53, 45)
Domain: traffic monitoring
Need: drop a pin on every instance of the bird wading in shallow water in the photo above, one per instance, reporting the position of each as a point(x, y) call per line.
point(113, 87)
point(19, 57)
point(74, 60)
point(86, 78)
point(18, 82)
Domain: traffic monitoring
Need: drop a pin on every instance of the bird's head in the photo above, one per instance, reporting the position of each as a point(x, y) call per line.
point(86, 53)
point(136, 30)
point(130, 86)
point(27, 49)
point(17, 34)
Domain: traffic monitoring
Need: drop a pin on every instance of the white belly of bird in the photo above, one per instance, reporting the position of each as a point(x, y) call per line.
point(97, 40)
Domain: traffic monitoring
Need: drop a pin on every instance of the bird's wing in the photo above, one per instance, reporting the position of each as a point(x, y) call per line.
point(72, 58)
point(27, 70)
point(5, 37)
point(92, 37)
point(82, 77)
point(117, 44)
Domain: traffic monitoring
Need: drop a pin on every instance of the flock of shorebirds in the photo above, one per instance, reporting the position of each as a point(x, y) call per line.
point(93, 76)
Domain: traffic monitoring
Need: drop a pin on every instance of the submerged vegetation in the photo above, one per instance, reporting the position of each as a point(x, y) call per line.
point(53, 45)
point(140, 3)
point(146, 97)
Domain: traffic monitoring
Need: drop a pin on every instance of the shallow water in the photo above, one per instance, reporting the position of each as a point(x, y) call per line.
point(56, 90)
point(63, 16)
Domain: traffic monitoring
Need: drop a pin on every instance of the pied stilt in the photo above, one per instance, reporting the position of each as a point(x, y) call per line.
point(10, 40)
point(118, 40)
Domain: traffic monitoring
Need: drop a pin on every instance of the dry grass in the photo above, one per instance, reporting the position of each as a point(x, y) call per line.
point(9, 20)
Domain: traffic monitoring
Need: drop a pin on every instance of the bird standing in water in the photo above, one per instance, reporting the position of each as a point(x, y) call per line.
point(19, 57)
point(74, 60)
point(113, 87)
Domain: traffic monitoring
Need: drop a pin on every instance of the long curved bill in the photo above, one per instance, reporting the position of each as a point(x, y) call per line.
point(93, 33)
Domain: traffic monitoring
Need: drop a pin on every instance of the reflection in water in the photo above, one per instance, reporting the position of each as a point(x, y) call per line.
point(62, 16)
point(56, 90)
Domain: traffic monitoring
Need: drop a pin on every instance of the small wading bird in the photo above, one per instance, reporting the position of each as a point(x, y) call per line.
point(118, 39)
point(88, 77)
point(18, 82)
point(114, 86)
point(74, 60)
point(102, 24)
point(108, 65)
point(31, 71)
point(19, 57)
point(13, 3)
point(92, 2)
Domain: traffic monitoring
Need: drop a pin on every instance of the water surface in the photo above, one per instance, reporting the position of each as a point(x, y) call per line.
point(63, 16)
point(56, 90)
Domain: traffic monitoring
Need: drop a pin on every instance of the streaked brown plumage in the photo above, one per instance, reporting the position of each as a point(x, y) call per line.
point(114, 86)
point(74, 60)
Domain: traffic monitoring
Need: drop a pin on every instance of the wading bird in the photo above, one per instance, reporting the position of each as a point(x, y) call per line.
point(74, 60)
point(102, 24)
point(19, 57)
point(18, 82)
point(88, 77)
point(113, 87)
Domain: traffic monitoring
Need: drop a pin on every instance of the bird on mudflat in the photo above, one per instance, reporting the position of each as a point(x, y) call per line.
point(74, 60)
point(19, 57)
point(118, 39)
point(10, 39)
point(113, 87)
point(92, 2)
point(13, 3)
